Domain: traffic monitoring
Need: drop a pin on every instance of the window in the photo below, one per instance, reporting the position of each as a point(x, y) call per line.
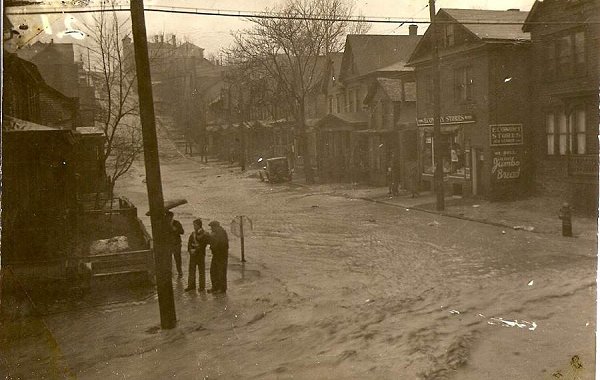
point(463, 84)
point(566, 134)
point(579, 130)
point(562, 134)
point(453, 156)
point(338, 103)
point(449, 35)
point(565, 55)
point(351, 103)
point(429, 89)
point(579, 55)
point(330, 104)
point(550, 133)
point(550, 60)
point(356, 98)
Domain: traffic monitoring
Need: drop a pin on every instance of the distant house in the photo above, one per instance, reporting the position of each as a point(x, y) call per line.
point(485, 93)
point(564, 105)
point(352, 145)
point(391, 136)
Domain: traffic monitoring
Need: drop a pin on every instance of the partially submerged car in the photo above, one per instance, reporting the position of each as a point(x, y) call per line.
point(276, 169)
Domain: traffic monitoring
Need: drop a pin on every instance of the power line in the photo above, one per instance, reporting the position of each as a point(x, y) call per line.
point(270, 15)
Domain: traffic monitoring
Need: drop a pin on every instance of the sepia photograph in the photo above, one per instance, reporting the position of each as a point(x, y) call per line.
point(299, 189)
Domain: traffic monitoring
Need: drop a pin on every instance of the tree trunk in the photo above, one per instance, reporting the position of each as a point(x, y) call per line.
point(304, 151)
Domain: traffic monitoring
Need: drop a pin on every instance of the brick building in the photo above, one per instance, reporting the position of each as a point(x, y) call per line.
point(564, 104)
point(27, 96)
point(485, 91)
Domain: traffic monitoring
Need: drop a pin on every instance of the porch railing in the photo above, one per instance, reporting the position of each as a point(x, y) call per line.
point(583, 165)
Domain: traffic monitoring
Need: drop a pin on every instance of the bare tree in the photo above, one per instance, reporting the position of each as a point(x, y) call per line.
point(293, 50)
point(115, 78)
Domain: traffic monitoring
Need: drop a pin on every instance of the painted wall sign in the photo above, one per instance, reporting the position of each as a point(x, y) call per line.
point(448, 119)
point(506, 165)
point(506, 134)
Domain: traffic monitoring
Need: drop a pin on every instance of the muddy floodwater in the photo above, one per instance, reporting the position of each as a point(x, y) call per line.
point(339, 288)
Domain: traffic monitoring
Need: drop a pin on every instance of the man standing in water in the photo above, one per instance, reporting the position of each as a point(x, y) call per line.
point(197, 249)
point(174, 232)
point(219, 245)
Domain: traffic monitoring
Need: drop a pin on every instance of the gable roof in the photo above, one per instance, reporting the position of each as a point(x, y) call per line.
point(396, 90)
point(508, 27)
point(497, 27)
point(366, 53)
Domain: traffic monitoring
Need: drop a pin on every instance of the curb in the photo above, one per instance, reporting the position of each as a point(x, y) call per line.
point(442, 213)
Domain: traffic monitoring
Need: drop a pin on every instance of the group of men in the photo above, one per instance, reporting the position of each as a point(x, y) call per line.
point(199, 239)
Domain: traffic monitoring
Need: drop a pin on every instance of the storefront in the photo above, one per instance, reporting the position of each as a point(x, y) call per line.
point(479, 160)
point(455, 149)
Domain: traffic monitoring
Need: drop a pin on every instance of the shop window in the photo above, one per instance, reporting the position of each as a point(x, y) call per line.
point(463, 84)
point(455, 161)
point(550, 134)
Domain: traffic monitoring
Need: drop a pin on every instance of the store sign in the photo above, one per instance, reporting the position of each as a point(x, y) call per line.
point(506, 134)
point(506, 164)
point(450, 119)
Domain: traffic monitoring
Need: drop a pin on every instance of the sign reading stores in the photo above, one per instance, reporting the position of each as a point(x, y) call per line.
point(506, 134)
point(506, 165)
point(450, 119)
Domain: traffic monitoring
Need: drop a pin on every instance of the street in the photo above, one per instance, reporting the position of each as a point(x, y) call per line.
point(336, 287)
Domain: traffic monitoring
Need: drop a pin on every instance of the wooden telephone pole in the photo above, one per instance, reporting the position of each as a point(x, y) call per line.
point(162, 255)
point(438, 175)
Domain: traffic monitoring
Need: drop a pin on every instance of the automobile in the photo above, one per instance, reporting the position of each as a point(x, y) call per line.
point(276, 169)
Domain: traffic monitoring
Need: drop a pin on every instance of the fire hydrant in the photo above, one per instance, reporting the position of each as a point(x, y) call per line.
point(565, 215)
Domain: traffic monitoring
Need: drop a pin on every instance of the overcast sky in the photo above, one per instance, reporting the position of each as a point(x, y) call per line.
point(214, 32)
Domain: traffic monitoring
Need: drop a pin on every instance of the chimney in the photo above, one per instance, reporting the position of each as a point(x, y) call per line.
point(173, 40)
point(412, 29)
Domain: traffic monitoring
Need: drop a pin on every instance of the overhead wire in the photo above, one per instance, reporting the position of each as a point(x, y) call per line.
point(267, 15)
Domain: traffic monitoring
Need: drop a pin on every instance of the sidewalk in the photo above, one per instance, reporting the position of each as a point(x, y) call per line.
point(535, 214)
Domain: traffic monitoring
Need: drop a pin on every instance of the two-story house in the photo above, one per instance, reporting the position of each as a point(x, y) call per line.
point(565, 43)
point(344, 153)
point(485, 91)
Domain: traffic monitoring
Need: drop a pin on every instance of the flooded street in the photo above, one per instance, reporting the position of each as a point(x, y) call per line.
point(336, 287)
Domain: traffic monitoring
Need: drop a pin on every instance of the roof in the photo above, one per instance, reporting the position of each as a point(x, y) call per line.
point(392, 88)
point(371, 52)
point(89, 131)
point(396, 90)
point(470, 17)
point(346, 118)
point(12, 124)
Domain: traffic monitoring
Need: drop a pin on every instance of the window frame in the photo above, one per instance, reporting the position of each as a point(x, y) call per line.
point(557, 58)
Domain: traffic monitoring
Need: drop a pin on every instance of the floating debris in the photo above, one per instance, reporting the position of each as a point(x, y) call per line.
point(530, 283)
point(435, 223)
point(454, 311)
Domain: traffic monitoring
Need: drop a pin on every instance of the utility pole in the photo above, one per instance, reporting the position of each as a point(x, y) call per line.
point(162, 256)
point(438, 175)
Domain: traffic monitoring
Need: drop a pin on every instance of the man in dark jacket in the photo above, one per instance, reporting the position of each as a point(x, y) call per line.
point(219, 246)
point(197, 249)
point(174, 232)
